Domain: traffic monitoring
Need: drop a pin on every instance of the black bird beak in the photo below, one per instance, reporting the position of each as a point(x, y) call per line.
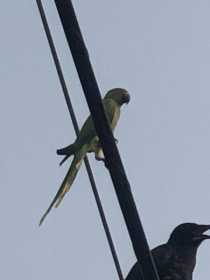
point(126, 98)
point(199, 233)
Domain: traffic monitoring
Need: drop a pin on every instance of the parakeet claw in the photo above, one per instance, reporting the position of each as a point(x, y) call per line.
point(99, 155)
point(99, 158)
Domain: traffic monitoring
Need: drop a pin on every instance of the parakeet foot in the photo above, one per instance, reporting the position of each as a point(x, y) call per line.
point(99, 158)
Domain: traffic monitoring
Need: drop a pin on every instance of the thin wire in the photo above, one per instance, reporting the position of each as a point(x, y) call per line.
point(76, 128)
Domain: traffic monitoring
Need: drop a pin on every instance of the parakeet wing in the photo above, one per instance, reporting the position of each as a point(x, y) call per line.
point(87, 132)
point(112, 110)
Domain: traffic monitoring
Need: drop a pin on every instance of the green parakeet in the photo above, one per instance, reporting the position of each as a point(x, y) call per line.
point(88, 141)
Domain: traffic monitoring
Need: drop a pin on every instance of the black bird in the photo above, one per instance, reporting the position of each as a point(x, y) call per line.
point(176, 259)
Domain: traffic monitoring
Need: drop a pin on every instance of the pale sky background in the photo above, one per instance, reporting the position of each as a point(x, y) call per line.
point(160, 52)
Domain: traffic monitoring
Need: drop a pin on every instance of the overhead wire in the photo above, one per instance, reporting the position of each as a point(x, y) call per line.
point(113, 161)
point(76, 128)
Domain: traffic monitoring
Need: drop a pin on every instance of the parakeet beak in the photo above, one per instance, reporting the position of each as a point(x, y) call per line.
point(126, 98)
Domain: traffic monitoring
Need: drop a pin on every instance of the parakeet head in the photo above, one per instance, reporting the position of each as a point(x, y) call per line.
point(119, 95)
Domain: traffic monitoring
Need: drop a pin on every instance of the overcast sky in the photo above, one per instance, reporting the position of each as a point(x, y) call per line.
point(160, 52)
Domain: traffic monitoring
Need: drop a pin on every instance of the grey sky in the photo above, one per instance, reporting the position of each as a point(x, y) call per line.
point(160, 52)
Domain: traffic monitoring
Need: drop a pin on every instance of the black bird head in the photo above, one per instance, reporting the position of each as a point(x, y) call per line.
point(120, 95)
point(189, 234)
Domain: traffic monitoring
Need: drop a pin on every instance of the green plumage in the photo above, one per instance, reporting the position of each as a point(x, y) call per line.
point(88, 141)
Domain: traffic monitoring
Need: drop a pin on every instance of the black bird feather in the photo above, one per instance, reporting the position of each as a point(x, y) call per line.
point(176, 259)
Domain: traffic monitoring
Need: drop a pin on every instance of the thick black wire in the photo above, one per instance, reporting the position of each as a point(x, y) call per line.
point(76, 128)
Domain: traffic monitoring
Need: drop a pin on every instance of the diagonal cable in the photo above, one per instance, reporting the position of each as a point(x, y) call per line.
point(76, 128)
point(113, 161)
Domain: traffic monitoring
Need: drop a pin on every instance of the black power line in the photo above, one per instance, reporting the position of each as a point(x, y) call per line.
point(112, 157)
point(76, 128)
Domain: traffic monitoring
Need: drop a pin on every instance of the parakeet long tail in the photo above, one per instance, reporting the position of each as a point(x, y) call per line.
point(67, 182)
